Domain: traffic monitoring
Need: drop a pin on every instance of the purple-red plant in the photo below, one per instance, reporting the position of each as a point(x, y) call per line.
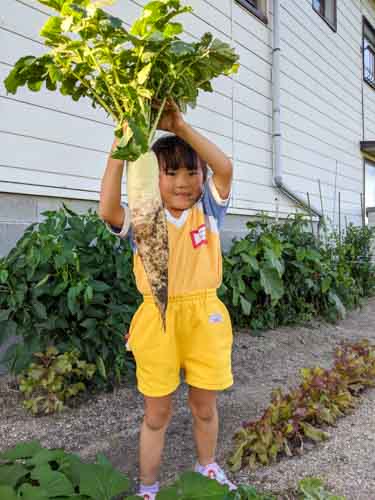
point(296, 417)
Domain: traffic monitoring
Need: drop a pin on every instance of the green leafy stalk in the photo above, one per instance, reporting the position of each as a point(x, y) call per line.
point(154, 127)
point(92, 55)
point(110, 93)
point(97, 97)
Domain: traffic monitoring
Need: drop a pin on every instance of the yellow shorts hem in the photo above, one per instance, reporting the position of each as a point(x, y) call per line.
point(211, 387)
point(156, 394)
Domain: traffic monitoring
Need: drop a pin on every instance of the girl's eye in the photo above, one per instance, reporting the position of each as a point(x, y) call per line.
point(173, 173)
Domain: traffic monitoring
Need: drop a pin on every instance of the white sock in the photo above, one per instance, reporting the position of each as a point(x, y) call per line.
point(152, 488)
point(200, 468)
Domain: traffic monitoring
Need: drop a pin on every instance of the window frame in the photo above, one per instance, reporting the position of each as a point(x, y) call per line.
point(254, 10)
point(371, 48)
point(320, 13)
point(371, 164)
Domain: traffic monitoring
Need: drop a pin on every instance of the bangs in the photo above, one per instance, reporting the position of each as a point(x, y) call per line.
point(173, 153)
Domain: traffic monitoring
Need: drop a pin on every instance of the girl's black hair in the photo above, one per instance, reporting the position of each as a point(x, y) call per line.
point(172, 152)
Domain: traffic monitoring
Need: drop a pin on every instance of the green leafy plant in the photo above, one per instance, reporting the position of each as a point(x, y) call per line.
point(292, 418)
point(280, 273)
point(245, 492)
point(69, 283)
point(193, 485)
point(30, 471)
point(35, 473)
point(253, 274)
point(353, 250)
point(38, 473)
point(130, 74)
point(312, 488)
point(53, 379)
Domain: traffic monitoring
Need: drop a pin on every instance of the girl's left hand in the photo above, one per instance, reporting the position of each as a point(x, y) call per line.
point(172, 119)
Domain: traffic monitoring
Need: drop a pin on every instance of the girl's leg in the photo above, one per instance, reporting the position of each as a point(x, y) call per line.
point(205, 426)
point(158, 413)
point(202, 403)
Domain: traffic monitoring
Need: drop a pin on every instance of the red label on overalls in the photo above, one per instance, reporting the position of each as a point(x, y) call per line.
point(198, 236)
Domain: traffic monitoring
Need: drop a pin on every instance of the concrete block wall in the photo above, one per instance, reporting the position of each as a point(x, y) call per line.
point(234, 226)
point(371, 216)
point(18, 211)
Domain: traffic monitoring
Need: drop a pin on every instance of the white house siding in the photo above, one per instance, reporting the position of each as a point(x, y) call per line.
point(50, 145)
point(55, 148)
point(321, 86)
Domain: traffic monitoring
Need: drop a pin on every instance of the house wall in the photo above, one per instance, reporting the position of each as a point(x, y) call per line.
point(322, 106)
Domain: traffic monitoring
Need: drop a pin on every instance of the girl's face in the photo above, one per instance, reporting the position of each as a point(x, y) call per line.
point(180, 189)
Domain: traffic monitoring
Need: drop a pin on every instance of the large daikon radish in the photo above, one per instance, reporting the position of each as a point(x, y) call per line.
point(150, 225)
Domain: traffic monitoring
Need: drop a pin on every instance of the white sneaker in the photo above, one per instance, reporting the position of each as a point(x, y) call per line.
point(214, 471)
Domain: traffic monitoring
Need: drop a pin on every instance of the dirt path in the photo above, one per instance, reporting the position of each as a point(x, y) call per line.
point(110, 423)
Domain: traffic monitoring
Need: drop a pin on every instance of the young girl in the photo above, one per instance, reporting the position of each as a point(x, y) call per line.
point(199, 335)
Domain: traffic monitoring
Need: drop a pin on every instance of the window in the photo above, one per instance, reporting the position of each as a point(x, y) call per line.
point(327, 9)
point(369, 184)
point(257, 7)
point(368, 53)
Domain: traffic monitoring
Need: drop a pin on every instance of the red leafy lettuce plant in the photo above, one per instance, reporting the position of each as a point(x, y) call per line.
point(297, 417)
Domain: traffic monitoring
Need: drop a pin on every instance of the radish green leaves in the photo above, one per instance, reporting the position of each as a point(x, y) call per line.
point(92, 55)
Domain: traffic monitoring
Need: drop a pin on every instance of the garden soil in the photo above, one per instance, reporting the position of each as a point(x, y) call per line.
point(109, 423)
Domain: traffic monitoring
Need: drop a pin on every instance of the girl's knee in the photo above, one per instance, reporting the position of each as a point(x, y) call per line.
point(157, 415)
point(203, 410)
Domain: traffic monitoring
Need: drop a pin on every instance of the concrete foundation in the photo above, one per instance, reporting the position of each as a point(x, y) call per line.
point(18, 211)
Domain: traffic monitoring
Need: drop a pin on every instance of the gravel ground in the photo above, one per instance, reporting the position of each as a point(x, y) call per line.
point(110, 422)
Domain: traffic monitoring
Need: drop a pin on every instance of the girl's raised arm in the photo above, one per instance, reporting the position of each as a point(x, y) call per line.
point(218, 161)
point(221, 165)
point(110, 209)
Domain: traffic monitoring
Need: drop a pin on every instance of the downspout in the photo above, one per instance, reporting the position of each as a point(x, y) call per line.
point(276, 135)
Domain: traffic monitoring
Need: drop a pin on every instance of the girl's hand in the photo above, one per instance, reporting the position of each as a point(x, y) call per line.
point(117, 140)
point(172, 119)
